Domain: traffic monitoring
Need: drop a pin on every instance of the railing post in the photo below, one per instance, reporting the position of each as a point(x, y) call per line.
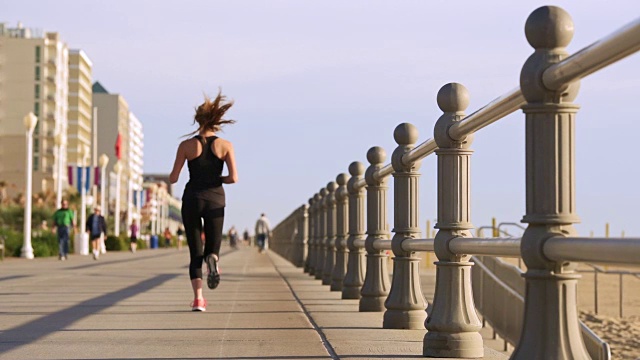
point(453, 323)
point(302, 235)
point(322, 227)
point(406, 305)
point(342, 218)
point(308, 263)
point(354, 279)
point(376, 281)
point(313, 267)
point(330, 237)
point(550, 329)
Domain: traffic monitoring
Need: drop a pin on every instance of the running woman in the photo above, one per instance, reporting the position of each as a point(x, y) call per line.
point(204, 199)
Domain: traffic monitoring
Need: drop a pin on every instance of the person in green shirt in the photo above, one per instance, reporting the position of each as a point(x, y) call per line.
point(62, 221)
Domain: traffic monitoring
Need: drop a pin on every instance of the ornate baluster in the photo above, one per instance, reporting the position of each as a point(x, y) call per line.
point(354, 279)
point(376, 282)
point(406, 306)
point(453, 323)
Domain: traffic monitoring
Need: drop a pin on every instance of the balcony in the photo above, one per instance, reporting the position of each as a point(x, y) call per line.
point(52, 62)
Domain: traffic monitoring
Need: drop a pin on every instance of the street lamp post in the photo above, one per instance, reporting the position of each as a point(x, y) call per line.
point(82, 236)
point(129, 199)
point(161, 212)
point(104, 161)
point(58, 140)
point(139, 202)
point(118, 169)
point(30, 122)
point(153, 207)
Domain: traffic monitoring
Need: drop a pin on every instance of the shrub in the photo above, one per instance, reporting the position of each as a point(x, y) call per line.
point(45, 244)
point(116, 243)
point(13, 241)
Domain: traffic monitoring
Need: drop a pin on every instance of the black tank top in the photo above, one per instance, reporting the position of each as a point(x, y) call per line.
point(205, 173)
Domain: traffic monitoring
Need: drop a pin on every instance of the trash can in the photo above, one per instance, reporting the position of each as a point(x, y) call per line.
point(154, 241)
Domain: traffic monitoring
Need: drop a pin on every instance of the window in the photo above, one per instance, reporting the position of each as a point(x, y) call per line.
point(36, 109)
point(37, 54)
point(36, 130)
point(36, 163)
point(37, 72)
point(37, 90)
point(36, 145)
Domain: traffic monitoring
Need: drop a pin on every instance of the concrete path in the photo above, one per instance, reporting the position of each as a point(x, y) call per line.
point(136, 306)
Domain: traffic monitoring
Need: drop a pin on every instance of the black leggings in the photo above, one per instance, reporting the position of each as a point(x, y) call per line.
point(193, 211)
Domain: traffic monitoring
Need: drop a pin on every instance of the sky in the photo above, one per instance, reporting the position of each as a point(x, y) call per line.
point(317, 83)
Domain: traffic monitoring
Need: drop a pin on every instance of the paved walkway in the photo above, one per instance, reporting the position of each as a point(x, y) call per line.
point(136, 306)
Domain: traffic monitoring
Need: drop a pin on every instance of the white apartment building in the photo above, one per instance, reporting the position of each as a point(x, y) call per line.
point(34, 73)
point(80, 114)
point(114, 119)
point(135, 163)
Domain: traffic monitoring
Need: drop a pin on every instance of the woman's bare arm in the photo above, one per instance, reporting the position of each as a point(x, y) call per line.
point(230, 160)
point(178, 164)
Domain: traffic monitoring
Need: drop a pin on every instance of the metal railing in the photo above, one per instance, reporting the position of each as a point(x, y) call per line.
point(621, 274)
point(549, 243)
point(498, 291)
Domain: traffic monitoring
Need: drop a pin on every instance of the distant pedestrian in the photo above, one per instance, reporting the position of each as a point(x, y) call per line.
point(167, 237)
point(135, 232)
point(62, 221)
point(204, 197)
point(245, 236)
point(180, 234)
point(263, 232)
point(233, 237)
point(96, 227)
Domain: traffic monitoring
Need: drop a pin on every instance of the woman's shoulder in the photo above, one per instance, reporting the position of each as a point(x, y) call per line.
point(224, 144)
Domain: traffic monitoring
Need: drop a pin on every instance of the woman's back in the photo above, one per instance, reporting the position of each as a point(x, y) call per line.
point(205, 171)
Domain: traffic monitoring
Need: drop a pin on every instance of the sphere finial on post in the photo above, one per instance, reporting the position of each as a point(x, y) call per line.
point(356, 168)
point(549, 27)
point(376, 155)
point(341, 179)
point(405, 134)
point(453, 98)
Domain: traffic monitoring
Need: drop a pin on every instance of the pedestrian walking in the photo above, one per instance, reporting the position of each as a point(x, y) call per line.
point(134, 229)
point(62, 221)
point(233, 237)
point(180, 234)
point(96, 227)
point(245, 236)
point(263, 232)
point(204, 198)
point(167, 237)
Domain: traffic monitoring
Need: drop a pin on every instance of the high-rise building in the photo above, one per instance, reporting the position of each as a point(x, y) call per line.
point(113, 139)
point(34, 75)
point(80, 114)
point(134, 157)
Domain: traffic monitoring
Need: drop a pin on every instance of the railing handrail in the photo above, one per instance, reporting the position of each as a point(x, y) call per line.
point(617, 45)
point(593, 250)
point(488, 114)
point(621, 43)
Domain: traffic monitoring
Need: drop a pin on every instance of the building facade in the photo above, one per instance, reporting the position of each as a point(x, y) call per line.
point(34, 73)
point(80, 116)
point(135, 164)
point(112, 113)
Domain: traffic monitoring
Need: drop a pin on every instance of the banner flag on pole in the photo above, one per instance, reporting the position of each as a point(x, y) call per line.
point(77, 179)
point(96, 176)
